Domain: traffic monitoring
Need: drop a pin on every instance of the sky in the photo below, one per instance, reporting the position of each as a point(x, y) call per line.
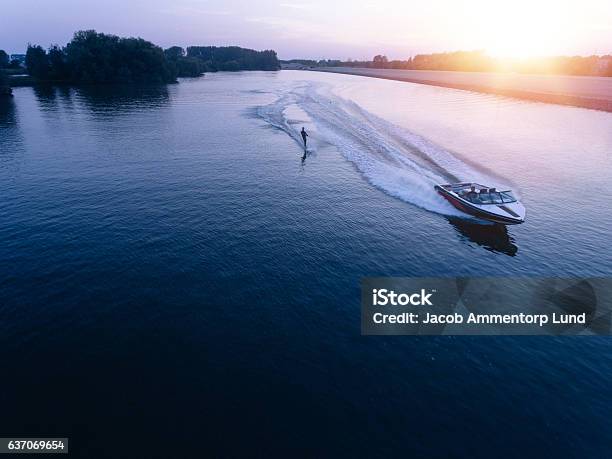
point(318, 29)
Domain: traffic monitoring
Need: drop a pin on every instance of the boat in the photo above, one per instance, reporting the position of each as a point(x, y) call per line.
point(484, 202)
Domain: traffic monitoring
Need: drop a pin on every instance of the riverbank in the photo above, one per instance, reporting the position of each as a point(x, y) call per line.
point(577, 91)
point(16, 81)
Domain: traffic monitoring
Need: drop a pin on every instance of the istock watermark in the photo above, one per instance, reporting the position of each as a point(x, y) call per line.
point(383, 297)
point(486, 306)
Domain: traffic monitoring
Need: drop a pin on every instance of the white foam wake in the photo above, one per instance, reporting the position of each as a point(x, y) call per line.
point(398, 162)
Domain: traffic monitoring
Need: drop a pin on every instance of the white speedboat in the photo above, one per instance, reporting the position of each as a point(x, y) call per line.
point(484, 202)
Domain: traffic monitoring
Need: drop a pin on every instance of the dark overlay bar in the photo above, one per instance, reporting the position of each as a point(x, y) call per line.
point(486, 306)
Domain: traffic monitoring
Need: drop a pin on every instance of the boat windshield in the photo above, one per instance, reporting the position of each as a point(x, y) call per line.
point(507, 196)
point(489, 197)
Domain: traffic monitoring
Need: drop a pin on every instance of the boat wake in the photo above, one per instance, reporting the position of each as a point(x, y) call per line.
point(398, 162)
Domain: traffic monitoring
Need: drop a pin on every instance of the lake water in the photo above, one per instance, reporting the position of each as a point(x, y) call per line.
point(176, 274)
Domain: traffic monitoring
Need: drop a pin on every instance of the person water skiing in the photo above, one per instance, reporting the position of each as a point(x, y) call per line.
point(304, 135)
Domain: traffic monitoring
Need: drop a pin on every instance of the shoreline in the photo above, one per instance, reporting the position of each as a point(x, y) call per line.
point(506, 85)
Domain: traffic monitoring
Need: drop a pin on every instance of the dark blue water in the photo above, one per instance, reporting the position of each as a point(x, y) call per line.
point(178, 280)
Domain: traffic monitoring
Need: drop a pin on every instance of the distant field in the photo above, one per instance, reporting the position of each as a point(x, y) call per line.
point(578, 91)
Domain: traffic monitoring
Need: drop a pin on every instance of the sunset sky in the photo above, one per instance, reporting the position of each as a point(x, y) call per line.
point(325, 29)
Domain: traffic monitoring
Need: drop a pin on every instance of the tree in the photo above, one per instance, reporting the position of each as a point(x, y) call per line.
point(37, 62)
point(58, 68)
point(184, 66)
point(94, 57)
point(190, 67)
point(380, 61)
point(174, 53)
point(5, 87)
point(4, 59)
point(230, 66)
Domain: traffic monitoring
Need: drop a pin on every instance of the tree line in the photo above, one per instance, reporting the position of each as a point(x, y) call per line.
point(92, 57)
point(231, 58)
point(479, 61)
point(5, 65)
point(5, 88)
point(200, 59)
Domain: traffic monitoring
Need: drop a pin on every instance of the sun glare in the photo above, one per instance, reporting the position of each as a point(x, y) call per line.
point(521, 29)
point(518, 47)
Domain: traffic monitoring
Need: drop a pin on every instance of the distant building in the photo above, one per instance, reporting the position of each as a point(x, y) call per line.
point(18, 57)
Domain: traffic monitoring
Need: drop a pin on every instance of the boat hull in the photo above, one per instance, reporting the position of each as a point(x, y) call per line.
point(466, 207)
